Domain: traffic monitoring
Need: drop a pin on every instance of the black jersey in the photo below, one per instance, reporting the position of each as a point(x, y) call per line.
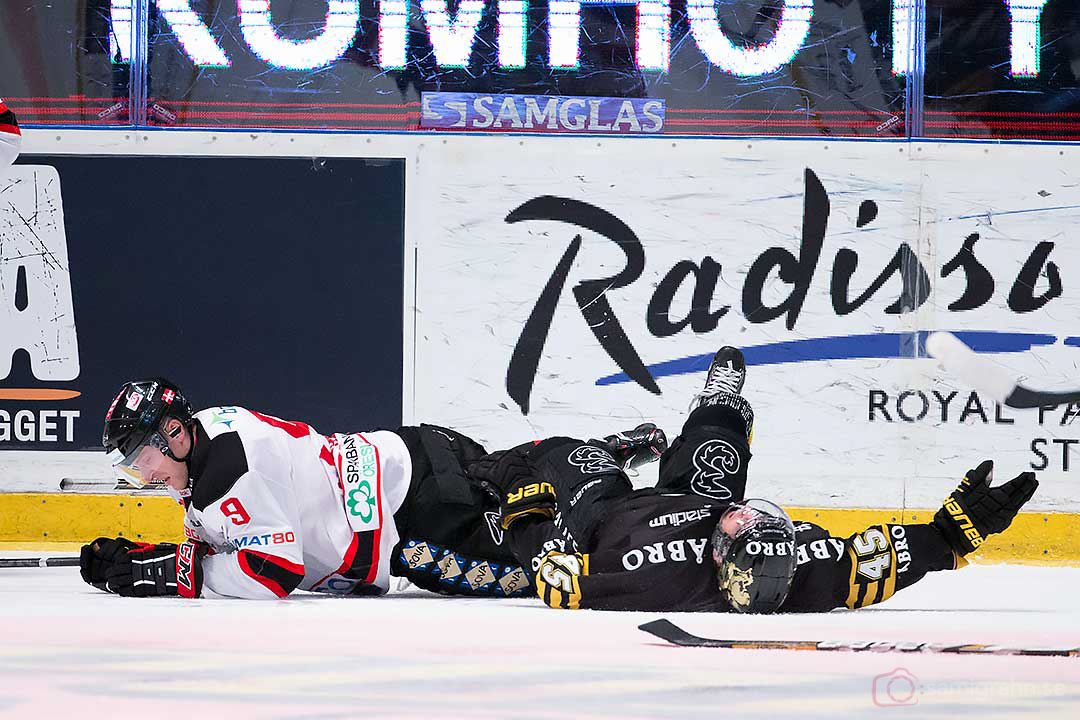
point(652, 551)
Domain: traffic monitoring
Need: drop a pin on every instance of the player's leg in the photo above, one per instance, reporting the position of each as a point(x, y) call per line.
point(586, 477)
point(711, 455)
point(589, 476)
point(575, 479)
point(450, 538)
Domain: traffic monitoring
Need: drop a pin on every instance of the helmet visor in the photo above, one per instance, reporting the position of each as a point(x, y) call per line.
point(754, 552)
point(141, 463)
point(740, 517)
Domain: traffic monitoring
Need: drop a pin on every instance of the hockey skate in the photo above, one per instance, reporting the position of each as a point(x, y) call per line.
point(727, 373)
point(724, 384)
point(634, 448)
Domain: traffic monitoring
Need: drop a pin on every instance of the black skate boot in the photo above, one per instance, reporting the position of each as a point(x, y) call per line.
point(727, 373)
point(634, 448)
point(724, 383)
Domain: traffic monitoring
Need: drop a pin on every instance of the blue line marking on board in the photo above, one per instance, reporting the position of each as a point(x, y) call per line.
point(850, 347)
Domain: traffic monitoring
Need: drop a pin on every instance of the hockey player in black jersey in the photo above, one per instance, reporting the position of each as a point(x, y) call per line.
point(693, 542)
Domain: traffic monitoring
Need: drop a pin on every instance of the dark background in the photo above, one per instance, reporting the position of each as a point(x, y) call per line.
point(274, 284)
point(840, 83)
point(57, 70)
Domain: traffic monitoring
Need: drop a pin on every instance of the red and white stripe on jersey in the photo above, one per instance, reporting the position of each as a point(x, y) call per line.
point(276, 574)
point(8, 123)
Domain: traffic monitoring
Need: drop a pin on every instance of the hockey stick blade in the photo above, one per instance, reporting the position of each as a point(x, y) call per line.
point(39, 562)
point(989, 377)
point(672, 633)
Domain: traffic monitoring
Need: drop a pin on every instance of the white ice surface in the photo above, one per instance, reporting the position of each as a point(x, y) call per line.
point(68, 651)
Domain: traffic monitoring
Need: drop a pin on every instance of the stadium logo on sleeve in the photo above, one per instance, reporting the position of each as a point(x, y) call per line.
point(714, 461)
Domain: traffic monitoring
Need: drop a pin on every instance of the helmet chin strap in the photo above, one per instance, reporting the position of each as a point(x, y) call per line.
point(172, 435)
point(169, 453)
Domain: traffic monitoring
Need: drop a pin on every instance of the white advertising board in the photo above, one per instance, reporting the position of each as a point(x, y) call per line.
point(570, 286)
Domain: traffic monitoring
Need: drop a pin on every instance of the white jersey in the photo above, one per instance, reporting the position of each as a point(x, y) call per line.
point(284, 507)
point(10, 137)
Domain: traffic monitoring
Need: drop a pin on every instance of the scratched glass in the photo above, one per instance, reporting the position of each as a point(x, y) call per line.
point(56, 65)
point(761, 67)
point(853, 68)
point(1003, 69)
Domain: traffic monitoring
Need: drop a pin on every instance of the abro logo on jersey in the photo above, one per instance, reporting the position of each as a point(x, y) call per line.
point(769, 549)
point(819, 550)
point(36, 311)
point(674, 551)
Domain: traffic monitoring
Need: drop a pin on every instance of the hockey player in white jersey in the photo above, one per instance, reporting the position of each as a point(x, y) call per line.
point(10, 138)
point(272, 506)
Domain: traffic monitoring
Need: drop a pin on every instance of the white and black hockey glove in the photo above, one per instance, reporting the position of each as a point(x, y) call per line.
point(976, 510)
point(130, 569)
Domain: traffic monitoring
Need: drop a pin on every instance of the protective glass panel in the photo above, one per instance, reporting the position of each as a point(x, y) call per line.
point(763, 67)
point(1004, 69)
point(56, 61)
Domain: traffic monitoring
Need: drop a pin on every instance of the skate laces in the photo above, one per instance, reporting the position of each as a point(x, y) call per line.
point(721, 379)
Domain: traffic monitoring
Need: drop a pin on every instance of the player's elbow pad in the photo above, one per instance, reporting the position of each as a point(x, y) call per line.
point(276, 574)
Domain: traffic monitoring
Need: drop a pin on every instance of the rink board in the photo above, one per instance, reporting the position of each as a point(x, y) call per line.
point(600, 283)
point(849, 411)
point(47, 520)
point(268, 282)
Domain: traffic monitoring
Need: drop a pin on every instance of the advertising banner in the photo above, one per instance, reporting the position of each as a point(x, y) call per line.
point(599, 284)
point(270, 283)
point(868, 68)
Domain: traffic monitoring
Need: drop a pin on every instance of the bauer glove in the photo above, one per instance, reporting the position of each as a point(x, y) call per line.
point(976, 510)
point(131, 569)
point(509, 475)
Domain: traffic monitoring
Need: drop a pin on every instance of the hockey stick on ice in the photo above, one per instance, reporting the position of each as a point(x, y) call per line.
point(672, 633)
point(98, 486)
point(38, 562)
point(989, 377)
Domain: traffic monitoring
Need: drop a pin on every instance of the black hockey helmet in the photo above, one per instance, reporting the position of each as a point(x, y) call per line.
point(135, 418)
point(753, 547)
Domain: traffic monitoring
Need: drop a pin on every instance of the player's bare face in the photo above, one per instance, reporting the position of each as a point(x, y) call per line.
point(736, 518)
point(155, 468)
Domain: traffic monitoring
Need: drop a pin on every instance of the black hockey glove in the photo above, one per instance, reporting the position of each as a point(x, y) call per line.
point(976, 510)
point(633, 448)
point(510, 476)
point(132, 569)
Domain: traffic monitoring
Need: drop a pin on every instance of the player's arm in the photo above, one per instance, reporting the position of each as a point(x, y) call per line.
point(572, 580)
point(870, 566)
point(131, 569)
point(563, 577)
point(256, 516)
point(264, 555)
